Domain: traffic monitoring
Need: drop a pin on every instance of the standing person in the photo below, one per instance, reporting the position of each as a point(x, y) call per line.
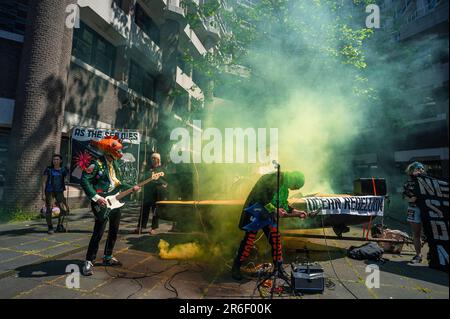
point(153, 192)
point(53, 187)
point(100, 178)
point(410, 192)
point(265, 193)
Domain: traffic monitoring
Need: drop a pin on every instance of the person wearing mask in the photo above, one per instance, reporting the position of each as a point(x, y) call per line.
point(264, 193)
point(101, 178)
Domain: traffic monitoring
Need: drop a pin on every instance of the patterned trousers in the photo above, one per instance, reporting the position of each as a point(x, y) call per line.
point(273, 236)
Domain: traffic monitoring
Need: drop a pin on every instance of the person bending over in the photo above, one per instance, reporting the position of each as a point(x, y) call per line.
point(264, 193)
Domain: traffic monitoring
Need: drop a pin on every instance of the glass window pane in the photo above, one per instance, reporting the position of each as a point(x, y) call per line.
point(93, 49)
point(146, 24)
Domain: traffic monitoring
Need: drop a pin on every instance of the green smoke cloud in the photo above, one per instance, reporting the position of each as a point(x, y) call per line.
point(317, 76)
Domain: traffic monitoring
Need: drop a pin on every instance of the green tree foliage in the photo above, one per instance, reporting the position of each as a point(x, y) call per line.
point(324, 27)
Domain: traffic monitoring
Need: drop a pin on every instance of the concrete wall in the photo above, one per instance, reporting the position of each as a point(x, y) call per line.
point(91, 97)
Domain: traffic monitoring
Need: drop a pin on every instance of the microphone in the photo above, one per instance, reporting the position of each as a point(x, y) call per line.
point(275, 163)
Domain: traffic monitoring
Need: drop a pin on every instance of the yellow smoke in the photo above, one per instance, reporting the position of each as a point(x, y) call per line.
point(181, 251)
point(189, 251)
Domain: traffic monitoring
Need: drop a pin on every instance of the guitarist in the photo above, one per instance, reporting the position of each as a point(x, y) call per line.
point(153, 192)
point(264, 193)
point(100, 178)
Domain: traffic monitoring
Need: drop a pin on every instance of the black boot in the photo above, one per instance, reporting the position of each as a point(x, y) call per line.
point(60, 229)
point(48, 218)
point(236, 271)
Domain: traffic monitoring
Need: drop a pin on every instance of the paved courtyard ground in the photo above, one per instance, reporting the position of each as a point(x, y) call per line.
point(33, 265)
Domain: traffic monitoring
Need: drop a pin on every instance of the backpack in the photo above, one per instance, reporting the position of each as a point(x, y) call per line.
point(369, 251)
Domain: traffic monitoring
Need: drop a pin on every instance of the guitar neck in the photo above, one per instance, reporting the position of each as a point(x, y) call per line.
point(141, 184)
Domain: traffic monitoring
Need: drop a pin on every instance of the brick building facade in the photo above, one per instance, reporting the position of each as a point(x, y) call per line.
point(122, 68)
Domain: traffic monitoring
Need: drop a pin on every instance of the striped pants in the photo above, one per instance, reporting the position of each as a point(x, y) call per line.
point(273, 236)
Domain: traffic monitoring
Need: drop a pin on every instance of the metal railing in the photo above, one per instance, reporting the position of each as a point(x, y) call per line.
point(423, 11)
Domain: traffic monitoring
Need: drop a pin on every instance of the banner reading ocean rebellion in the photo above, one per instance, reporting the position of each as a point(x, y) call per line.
point(351, 205)
point(432, 200)
point(83, 152)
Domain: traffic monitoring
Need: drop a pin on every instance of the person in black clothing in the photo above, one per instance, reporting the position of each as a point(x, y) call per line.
point(53, 187)
point(265, 193)
point(413, 213)
point(153, 192)
point(100, 179)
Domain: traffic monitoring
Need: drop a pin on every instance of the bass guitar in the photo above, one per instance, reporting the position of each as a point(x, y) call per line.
point(113, 199)
point(260, 217)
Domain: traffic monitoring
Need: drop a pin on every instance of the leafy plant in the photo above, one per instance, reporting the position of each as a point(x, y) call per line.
point(17, 215)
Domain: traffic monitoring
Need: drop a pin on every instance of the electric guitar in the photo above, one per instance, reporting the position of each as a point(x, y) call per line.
point(113, 199)
point(259, 217)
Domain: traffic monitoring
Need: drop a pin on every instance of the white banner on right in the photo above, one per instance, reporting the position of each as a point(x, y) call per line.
point(350, 205)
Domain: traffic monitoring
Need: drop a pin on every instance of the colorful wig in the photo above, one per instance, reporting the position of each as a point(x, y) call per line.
point(110, 145)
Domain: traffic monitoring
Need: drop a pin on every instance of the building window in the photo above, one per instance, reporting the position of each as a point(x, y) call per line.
point(93, 49)
point(146, 24)
point(141, 81)
point(119, 3)
point(13, 15)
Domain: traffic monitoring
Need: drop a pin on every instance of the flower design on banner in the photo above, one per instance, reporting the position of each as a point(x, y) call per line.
point(83, 160)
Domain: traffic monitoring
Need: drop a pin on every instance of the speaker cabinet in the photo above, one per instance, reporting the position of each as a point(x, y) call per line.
point(308, 278)
point(369, 186)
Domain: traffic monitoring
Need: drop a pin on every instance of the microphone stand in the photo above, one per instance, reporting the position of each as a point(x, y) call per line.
point(278, 272)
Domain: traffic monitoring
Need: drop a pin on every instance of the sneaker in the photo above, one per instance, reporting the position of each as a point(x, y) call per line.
point(88, 268)
point(50, 231)
point(112, 262)
point(416, 260)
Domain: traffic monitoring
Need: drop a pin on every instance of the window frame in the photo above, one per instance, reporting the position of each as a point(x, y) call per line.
point(109, 52)
point(138, 75)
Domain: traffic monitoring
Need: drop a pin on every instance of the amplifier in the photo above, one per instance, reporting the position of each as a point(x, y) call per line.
point(307, 278)
point(365, 186)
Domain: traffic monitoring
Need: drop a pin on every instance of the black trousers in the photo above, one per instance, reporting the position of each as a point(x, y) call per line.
point(152, 194)
point(273, 236)
point(99, 229)
point(145, 215)
point(60, 202)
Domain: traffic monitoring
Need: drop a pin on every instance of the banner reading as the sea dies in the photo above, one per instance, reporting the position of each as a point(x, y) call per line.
point(83, 152)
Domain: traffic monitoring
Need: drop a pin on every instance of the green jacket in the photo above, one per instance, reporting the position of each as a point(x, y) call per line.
point(95, 179)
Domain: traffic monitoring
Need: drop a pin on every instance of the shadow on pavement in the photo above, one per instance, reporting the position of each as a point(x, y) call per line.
point(23, 231)
point(419, 272)
point(46, 269)
point(38, 230)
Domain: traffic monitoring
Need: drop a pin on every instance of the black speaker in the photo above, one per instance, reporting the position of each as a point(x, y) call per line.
point(308, 278)
point(368, 186)
point(181, 186)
